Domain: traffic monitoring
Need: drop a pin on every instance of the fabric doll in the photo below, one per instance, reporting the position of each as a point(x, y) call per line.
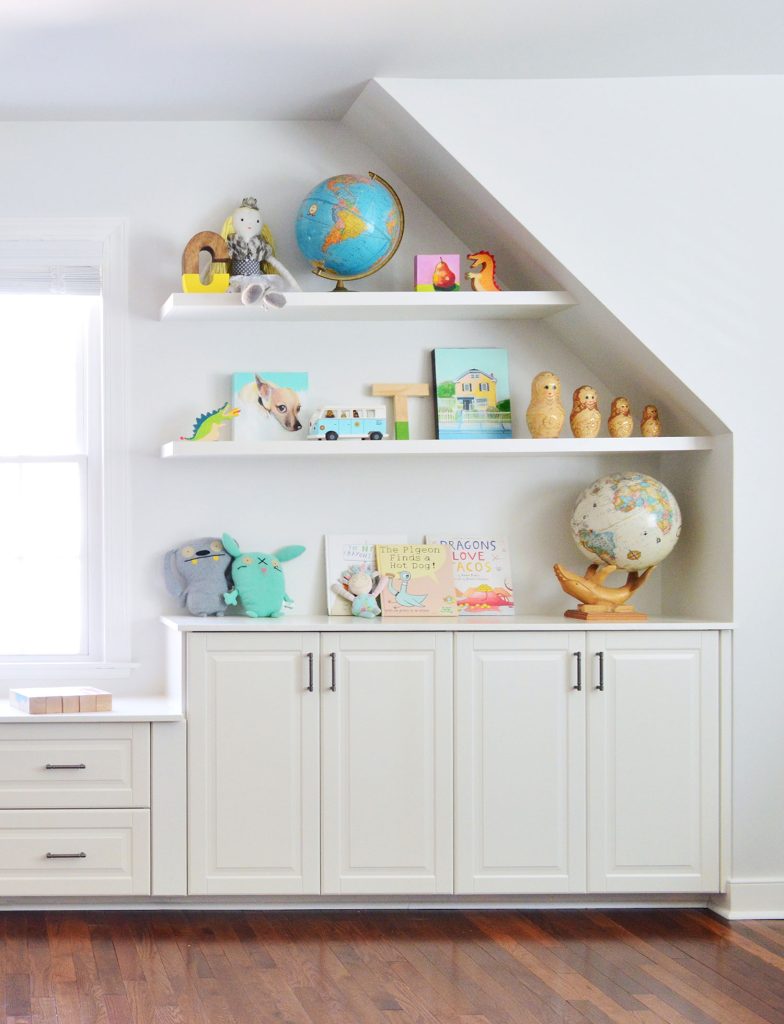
point(196, 573)
point(356, 585)
point(258, 579)
point(255, 271)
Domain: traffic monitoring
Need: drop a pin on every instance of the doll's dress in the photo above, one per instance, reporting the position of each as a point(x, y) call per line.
point(365, 606)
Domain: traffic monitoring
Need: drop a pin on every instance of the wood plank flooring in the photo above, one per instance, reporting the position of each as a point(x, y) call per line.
point(380, 967)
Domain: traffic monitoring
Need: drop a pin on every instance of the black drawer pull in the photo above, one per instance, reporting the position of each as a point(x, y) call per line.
point(65, 856)
point(57, 767)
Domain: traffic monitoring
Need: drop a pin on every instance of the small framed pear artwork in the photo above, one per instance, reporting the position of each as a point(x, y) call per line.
point(628, 522)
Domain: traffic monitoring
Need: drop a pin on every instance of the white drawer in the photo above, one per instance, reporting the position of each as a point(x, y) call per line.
point(73, 765)
point(74, 853)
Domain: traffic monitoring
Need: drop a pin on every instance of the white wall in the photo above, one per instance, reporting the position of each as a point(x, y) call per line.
point(664, 198)
point(171, 180)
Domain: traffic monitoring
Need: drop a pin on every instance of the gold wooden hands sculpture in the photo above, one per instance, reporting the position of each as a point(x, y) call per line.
point(600, 603)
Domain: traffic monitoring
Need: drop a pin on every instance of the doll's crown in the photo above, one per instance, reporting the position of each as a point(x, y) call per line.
point(250, 203)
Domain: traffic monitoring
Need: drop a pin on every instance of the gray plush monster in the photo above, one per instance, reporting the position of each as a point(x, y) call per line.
point(195, 573)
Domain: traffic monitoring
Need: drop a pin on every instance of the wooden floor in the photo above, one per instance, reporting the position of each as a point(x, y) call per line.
point(544, 967)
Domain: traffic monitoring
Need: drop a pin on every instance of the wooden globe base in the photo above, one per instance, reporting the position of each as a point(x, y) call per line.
point(598, 602)
point(590, 613)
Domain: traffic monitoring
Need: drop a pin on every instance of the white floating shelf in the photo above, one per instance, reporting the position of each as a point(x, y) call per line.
point(314, 306)
point(514, 446)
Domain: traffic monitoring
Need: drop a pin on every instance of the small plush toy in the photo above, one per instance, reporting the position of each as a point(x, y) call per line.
point(255, 270)
point(356, 585)
point(258, 579)
point(196, 574)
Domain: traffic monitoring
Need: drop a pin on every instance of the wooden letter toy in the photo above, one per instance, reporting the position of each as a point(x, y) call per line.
point(585, 418)
point(620, 423)
point(545, 415)
point(215, 245)
point(400, 394)
point(650, 425)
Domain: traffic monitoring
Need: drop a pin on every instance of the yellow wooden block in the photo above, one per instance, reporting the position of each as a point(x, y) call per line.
point(193, 283)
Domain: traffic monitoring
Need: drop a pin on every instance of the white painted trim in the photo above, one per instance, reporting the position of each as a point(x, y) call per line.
point(725, 757)
point(347, 903)
point(751, 899)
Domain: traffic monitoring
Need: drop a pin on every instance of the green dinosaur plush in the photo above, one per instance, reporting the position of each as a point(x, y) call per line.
point(209, 424)
point(258, 579)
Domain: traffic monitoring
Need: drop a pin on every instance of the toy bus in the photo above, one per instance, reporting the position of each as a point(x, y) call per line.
point(332, 422)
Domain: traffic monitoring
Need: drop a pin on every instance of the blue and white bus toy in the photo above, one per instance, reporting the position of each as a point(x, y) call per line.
point(333, 422)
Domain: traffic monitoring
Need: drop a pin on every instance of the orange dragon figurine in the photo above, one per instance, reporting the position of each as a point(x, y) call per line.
point(481, 273)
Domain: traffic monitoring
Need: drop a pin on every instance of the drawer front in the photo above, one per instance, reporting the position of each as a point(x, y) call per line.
point(75, 853)
point(70, 765)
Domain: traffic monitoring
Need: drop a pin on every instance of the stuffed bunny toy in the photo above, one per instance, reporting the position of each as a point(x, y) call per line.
point(258, 579)
point(196, 574)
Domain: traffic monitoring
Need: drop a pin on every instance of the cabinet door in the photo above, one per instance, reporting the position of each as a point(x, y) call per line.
point(519, 763)
point(653, 752)
point(253, 775)
point(386, 750)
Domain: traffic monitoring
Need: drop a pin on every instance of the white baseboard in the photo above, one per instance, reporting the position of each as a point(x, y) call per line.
point(751, 899)
point(607, 901)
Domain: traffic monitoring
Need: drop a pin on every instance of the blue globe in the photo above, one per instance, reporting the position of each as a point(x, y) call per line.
point(349, 226)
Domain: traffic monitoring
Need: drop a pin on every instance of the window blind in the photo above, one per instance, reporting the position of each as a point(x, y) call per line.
point(46, 267)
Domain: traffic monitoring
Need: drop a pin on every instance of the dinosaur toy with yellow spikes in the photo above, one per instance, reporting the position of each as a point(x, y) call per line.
point(481, 273)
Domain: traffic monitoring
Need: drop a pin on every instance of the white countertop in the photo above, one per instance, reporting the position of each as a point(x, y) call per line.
point(472, 623)
point(124, 709)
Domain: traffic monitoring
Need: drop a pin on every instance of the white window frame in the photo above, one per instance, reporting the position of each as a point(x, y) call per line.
point(108, 490)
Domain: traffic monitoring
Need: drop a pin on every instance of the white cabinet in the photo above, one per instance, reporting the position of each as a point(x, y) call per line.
point(653, 762)
point(253, 763)
point(583, 761)
point(386, 748)
point(519, 763)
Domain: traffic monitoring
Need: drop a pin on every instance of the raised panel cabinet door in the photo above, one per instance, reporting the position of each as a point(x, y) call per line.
point(520, 762)
point(386, 747)
point(253, 765)
point(653, 762)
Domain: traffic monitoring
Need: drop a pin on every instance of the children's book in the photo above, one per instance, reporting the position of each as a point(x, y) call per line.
point(471, 388)
point(344, 551)
point(419, 580)
point(270, 405)
point(482, 574)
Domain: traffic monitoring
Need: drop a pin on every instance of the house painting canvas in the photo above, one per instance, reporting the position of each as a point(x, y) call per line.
point(471, 386)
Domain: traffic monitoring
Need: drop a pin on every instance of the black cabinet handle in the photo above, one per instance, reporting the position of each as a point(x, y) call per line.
point(65, 856)
point(333, 658)
point(600, 684)
point(58, 767)
point(309, 656)
point(579, 684)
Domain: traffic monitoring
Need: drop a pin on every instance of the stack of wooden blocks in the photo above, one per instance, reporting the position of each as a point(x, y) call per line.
point(60, 700)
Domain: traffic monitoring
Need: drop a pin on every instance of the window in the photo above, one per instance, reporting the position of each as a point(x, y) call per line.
point(46, 471)
point(484, 387)
point(467, 387)
point(57, 488)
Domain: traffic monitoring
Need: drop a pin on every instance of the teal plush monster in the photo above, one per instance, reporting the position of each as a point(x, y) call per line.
point(258, 579)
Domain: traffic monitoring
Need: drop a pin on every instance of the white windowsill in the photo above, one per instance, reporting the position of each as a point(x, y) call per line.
point(67, 671)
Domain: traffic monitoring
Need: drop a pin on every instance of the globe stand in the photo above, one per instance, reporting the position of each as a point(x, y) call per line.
point(598, 602)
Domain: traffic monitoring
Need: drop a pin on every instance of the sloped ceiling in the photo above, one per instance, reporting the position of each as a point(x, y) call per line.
point(606, 346)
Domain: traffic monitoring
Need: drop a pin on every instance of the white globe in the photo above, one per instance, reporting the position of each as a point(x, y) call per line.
point(627, 519)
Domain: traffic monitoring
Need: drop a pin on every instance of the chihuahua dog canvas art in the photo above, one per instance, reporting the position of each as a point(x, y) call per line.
point(271, 405)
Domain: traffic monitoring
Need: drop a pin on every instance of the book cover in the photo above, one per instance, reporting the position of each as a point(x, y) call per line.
point(270, 405)
point(481, 572)
point(343, 551)
point(419, 580)
point(471, 388)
